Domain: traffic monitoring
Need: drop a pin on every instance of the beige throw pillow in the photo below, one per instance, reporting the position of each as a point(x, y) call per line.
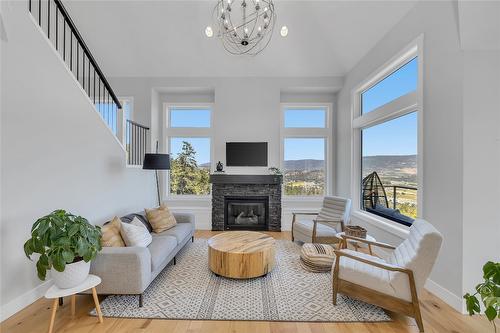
point(160, 218)
point(111, 234)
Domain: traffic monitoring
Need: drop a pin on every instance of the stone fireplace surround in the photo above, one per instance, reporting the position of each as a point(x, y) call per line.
point(224, 185)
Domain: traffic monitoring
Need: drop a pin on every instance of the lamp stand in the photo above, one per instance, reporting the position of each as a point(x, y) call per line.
point(158, 188)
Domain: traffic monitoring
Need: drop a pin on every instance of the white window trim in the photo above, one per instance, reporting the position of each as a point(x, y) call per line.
point(412, 101)
point(311, 132)
point(130, 100)
point(186, 132)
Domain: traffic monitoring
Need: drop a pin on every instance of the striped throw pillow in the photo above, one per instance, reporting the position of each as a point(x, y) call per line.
point(135, 233)
point(160, 218)
point(111, 236)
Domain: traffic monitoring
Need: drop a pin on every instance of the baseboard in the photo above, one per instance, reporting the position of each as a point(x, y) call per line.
point(445, 295)
point(19, 303)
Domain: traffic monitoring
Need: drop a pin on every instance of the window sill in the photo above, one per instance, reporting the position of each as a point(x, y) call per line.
point(292, 198)
point(382, 223)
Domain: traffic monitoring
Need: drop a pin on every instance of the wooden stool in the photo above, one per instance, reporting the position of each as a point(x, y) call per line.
point(55, 293)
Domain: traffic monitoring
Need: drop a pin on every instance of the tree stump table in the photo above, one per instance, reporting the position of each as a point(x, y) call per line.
point(241, 254)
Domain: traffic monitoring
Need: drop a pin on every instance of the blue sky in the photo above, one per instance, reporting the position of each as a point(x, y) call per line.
point(200, 145)
point(304, 148)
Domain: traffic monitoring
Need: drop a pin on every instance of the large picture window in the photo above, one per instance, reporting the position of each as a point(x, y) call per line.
point(188, 130)
point(386, 146)
point(305, 137)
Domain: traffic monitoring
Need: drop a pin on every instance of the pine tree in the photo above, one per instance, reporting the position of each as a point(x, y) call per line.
point(185, 175)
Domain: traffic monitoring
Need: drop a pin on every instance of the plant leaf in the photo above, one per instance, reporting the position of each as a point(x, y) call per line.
point(490, 313)
point(68, 256)
point(73, 230)
point(58, 262)
point(28, 248)
point(41, 271)
point(472, 304)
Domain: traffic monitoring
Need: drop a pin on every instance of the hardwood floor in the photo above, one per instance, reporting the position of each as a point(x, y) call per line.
point(438, 318)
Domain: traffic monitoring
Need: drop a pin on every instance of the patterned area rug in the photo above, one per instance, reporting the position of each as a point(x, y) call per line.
point(189, 290)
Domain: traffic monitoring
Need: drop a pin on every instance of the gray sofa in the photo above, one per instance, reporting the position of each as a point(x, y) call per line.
point(130, 270)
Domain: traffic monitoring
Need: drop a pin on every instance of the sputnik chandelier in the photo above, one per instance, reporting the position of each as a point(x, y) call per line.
point(244, 26)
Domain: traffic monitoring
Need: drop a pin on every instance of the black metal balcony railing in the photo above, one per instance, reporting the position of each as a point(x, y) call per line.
point(60, 29)
point(395, 193)
point(136, 138)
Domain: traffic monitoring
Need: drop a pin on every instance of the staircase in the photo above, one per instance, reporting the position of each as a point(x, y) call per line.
point(54, 20)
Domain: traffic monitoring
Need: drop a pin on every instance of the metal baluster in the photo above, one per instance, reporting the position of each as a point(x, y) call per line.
point(48, 19)
point(40, 13)
point(89, 78)
point(77, 61)
point(29, 5)
point(83, 70)
point(94, 85)
point(57, 32)
point(71, 51)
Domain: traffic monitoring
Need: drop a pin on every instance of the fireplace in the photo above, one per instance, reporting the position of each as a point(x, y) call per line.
point(246, 212)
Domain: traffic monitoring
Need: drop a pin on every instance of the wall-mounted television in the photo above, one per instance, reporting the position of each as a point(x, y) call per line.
point(246, 153)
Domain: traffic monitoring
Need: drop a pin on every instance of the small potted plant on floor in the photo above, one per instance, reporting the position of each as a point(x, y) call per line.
point(66, 244)
point(489, 292)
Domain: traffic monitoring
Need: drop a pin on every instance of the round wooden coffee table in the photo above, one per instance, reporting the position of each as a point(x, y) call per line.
point(241, 254)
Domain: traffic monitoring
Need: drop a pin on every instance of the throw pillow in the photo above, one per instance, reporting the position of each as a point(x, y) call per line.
point(160, 218)
point(136, 234)
point(111, 234)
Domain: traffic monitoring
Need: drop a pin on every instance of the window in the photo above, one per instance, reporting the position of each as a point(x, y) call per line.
point(386, 140)
point(188, 137)
point(305, 135)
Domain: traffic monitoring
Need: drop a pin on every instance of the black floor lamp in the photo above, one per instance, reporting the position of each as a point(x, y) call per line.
point(156, 161)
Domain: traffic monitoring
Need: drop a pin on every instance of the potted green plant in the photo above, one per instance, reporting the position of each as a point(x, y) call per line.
point(66, 244)
point(489, 292)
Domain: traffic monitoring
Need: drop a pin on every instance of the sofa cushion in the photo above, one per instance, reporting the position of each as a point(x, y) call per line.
point(141, 216)
point(111, 236)
point(160, 248)
point(135, 234)
point(160, 218)
point(180, 231)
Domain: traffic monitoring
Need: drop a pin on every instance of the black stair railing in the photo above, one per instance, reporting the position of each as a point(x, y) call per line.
point(136, 138)
point(60, 29)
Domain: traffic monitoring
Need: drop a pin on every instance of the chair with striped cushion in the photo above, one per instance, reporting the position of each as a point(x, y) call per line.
point(322, 227)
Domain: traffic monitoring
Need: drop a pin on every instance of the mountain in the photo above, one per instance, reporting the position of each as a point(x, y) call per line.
point(390, 162)
point(307, 164)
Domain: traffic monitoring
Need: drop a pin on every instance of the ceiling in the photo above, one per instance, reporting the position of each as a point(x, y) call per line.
point(166, 38)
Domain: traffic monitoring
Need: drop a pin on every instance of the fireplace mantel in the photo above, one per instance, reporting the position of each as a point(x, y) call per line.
point(245, 179)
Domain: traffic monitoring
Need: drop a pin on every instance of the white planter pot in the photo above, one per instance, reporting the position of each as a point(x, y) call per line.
point(72, 276)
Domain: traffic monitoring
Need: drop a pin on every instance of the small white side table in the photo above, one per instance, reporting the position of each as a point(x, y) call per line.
point(357, 244)
point(55, 293)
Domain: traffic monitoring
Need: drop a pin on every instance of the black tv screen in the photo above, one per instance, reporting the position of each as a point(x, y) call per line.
point(246, 153)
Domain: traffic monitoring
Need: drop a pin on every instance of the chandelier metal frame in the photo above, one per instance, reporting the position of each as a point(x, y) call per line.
point(251, 32)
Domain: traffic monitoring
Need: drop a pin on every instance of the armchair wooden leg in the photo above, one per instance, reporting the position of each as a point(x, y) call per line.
point(415, 303)
point(335, 280)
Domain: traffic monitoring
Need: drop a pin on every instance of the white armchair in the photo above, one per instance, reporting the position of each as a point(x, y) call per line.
point(392, 283)
point(323, 227)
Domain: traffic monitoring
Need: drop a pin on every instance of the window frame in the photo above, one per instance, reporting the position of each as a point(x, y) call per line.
point(309, 133)
point(403, 105)
point(187, 132)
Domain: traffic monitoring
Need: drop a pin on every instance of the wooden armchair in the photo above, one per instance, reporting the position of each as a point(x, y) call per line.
point(392, 283)
point(324, 226)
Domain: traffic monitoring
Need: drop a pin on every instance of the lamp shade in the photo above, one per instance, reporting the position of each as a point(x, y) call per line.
point(156, 162)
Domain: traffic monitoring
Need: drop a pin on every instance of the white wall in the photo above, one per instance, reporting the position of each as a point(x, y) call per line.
point(481, 156)
point(245, 109)
point(56, 153)
point(443, 122)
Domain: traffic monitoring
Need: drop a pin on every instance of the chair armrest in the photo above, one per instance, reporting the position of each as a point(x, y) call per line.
point(123, 270)
point(184, 217)
point(328, 221)
point(305, 213)
point(389, 267)
point(362, 240)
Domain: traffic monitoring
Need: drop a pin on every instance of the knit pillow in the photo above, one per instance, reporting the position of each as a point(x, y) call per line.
point(111, 234)
point(136, 234)
point(160, 218)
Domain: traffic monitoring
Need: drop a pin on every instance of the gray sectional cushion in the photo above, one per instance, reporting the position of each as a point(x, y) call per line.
point(180, 231)
point(160, 248)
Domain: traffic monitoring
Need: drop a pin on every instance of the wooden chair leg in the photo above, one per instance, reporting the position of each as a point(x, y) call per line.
point(335, 280)
point(97, 306)
point(415, 303)
point(293, 222)
point(55, 304)
point(141, 302)
point(73, 305)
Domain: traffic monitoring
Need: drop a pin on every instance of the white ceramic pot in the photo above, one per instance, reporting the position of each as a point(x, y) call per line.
point(72, 276)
